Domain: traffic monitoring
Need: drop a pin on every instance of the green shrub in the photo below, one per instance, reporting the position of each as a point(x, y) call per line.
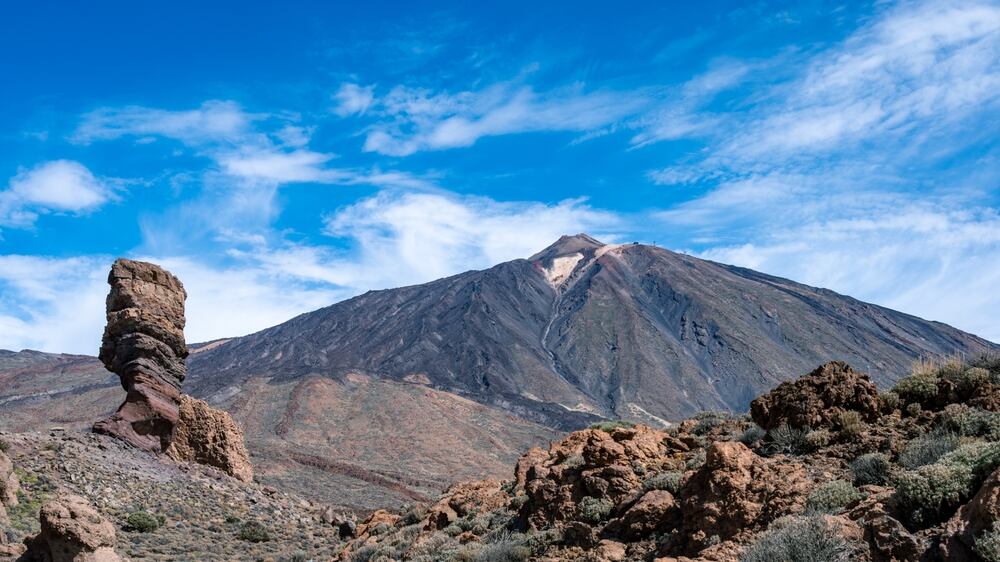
point(595, 509)
point(872, 468)
point(920, 387)
point(142, 522)
point(504, 551)
point(928, 448)
point(971, 422)
point(988, 544)
point(928, 493)
point(818, 438)
point(889, 402)
point(574, 461)
point(913, 410)
point(799, 539)
point(971, 379)
point(4, 446)
point(787, 439)
point(253, 531)
point(832, 497)
point(609, 425)
point(990, 362)
point(707, 421)
point(696, 460)
point(669, 481)
point(981, 458)
point(752, 434)
point(850, 423)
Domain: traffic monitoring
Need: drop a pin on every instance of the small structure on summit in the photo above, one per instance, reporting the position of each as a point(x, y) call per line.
point(144, 345)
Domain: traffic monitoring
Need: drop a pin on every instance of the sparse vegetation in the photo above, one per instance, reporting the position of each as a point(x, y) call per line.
point(753, 434)
point(669, 481)
point(4, 446)
point(143, 522)
point(988, 544)
point(707, 421)
point(872, 468)
point(850, 423)
point(832, 497)
point(931, 491)
point(787, 439)
point(609, 425)
point(595, 509)
point(253, 531)
point(799, 539)
point(928, 448)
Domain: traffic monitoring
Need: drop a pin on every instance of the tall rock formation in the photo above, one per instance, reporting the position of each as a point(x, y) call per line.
point(144, 345)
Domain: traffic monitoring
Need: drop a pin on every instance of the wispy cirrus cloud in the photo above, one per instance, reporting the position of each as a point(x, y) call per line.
point(410, 120)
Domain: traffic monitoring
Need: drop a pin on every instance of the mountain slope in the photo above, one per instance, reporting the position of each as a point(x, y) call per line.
point(585, 329)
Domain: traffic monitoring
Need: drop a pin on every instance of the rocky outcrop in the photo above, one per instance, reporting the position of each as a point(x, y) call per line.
point(737, 493)
point(72, 531)
point(208, 436)
point(818, 399)
point(9, 486)
point(144, 345)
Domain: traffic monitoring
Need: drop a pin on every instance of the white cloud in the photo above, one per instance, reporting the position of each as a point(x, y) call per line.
point(353, 99)
point(54, 186)
point(412, 120)
point(214, 121)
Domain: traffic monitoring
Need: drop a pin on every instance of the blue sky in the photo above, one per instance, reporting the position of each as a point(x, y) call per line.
point(281, 158)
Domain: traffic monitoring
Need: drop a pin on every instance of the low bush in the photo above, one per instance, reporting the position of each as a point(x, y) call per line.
point(595, 509)
point(988, 544)
point(609, 425)
point(889, 402)
point(818, 438)
point(850, 423)
point(832, 497)
point(931, 492)
point(799, 539)
point(752, 434)
point(971, 422)
point(928, 448)
point(253, 531)
point(142, 522)
point(872, 468)
point(917, 388)
point(787, 439)
point(504, 551)
point(669, 481)
point(707, 421)
point(990, 362)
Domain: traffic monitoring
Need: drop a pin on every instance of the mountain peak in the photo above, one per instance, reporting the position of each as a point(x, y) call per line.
point(568, 245)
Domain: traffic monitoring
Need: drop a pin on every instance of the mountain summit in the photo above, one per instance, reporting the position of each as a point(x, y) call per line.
point(584, 329)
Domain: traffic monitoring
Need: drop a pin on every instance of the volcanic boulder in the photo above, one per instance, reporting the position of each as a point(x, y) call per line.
point(72, 531)
point(208, 436)
point(818, 399)
point(144, 345)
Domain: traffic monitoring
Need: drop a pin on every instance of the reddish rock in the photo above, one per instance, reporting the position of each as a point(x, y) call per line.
point(144, 345)
point(736, 493)
point(211, 437)
point(655, 510)
point(464, 498)
point(72, 531)
point(9, 486)
point(817, 399)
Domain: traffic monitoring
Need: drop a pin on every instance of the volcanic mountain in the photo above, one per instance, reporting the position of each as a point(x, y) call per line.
point(392, 395)
point(584, 329)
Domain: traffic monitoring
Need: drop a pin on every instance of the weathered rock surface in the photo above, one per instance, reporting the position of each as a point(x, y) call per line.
point(144, 345)
point(8, 486)
point(211, 437)
point(72, 531)
point(736, 493)
point(817, 399)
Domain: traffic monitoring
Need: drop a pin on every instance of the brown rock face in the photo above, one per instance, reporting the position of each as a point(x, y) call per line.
point(816, 399)
point(737, 492)
point(9, 486)
point(72, 531)
point(973, 519)
point(208, 436)
point(144, 345)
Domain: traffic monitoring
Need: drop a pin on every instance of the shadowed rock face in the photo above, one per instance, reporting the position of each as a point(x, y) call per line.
point(72, 531)
point(144, 345)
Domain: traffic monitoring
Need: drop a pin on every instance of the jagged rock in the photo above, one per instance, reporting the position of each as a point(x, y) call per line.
point(886, 537)
point(817, 399)
point(737, 492)
point(654, 510)
point(971, 520)
point(144, 345)
point(211, 437)
point(463, 498)
point(8, 487)
point(72, 531)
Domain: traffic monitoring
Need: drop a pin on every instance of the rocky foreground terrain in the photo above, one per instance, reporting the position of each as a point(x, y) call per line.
point(825, 468)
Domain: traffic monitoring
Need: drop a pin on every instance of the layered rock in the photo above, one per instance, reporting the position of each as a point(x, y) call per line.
point(818, 399)
point(72, 531)
point(144, 345)
point(208, 436)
